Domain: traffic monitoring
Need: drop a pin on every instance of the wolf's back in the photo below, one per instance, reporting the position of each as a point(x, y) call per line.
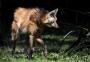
point(25, 13)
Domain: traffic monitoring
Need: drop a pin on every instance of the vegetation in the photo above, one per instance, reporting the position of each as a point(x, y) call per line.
point(56, 52)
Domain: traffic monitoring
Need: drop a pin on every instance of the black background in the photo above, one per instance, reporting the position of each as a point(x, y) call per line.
point(70, 9)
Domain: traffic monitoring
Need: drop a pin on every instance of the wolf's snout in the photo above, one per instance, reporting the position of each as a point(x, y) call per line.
point(55, 25)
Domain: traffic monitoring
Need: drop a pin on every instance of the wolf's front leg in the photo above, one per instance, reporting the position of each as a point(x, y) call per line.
point(39, 39)
point(30, 49)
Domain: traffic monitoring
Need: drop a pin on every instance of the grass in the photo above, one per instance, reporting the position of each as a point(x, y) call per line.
point(56, 52)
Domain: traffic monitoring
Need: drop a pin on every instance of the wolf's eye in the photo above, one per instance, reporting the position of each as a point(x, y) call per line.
point(52, 15)
point(51, 22)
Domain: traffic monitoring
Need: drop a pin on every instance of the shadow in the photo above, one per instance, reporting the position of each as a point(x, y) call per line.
point(55, 45)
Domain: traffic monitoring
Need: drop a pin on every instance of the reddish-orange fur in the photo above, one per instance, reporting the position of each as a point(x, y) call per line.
point(30, 21)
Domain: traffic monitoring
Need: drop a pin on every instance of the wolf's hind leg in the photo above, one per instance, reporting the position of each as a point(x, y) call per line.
point(14, 36)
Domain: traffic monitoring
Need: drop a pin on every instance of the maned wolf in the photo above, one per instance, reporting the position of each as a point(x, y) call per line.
point(32, 21)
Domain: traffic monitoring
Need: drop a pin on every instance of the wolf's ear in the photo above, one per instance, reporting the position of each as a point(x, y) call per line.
point(53, 12)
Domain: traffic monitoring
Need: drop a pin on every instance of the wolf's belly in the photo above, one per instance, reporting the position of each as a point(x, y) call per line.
point(23, 30)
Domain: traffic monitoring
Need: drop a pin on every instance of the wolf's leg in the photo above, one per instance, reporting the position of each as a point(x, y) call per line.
point(30, 49)
point(39, 39)
point(14, 36)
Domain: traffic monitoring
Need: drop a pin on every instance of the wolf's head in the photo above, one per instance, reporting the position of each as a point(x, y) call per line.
point(51, 19)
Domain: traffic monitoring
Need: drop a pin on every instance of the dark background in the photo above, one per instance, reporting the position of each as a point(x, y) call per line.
point(74, 12)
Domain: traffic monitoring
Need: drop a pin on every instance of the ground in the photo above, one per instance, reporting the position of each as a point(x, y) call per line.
point(56, 52)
